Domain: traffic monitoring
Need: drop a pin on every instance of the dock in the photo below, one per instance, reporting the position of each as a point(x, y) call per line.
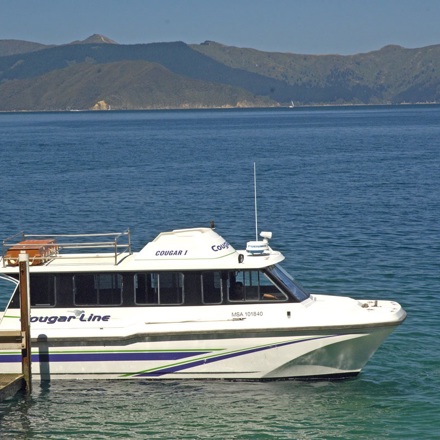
point(10, 384)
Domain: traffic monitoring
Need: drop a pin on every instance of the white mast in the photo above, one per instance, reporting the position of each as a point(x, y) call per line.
point(255, 201)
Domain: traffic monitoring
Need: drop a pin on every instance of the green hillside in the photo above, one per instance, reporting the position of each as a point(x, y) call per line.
point(124, 85)
point(390, 75)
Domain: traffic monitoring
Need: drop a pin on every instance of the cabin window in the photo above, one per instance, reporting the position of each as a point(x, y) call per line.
point(146, 287)
point(97, 289)
point(171, 288)
point(212, 292)
point(286, 283)
point(192, 284)
point(64, 290)
point(42, 289)
point(159, 288)
point(253, 286)
point(8, 289)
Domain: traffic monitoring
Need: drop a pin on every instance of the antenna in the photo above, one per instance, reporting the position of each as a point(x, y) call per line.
point(257, 248)
point(255, 201)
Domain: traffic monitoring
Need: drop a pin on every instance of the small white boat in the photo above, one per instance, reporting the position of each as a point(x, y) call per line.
point(186, 306)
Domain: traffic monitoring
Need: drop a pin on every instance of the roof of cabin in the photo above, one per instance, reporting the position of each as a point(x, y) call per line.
point(181, 249)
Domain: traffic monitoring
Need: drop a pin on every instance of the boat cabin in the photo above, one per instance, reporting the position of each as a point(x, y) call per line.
point(191, 267)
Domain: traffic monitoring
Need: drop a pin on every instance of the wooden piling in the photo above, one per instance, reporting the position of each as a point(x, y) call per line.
point(25, 316)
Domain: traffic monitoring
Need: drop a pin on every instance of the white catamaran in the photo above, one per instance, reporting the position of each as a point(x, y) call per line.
point(186, 306)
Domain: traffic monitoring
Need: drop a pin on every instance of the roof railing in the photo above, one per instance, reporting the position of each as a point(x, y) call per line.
point(43, 248)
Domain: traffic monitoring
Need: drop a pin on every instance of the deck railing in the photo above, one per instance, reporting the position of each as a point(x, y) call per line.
point(43, 248)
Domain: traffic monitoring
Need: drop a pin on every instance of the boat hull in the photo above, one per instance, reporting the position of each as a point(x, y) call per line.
point(234, 355)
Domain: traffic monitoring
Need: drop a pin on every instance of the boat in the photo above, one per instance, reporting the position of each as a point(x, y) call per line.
point(187, 305)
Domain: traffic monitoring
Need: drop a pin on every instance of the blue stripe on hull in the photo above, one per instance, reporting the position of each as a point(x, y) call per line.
point(104, 357)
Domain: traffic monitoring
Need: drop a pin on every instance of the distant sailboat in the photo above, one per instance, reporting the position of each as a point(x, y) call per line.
point(292, 105)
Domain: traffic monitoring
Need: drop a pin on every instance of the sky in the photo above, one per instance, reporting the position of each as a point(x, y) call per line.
point(297, 26)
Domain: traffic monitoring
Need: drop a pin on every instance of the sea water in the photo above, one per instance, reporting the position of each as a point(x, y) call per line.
point(352, 196)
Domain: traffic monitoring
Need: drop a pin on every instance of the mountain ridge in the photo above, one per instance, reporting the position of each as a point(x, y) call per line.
point(390, 75)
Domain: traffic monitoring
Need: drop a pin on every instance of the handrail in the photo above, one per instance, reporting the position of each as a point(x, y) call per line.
point(119, 242)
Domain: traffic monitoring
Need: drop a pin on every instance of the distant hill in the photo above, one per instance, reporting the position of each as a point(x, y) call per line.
point(83, 73)
point(13, 47)
point(127, 85)
point(390, 75)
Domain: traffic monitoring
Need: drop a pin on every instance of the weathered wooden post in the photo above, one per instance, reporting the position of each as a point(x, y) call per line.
point(25, 317)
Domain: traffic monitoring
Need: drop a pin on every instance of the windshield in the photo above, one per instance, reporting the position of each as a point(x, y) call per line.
point(285, 281)
point(8, 285)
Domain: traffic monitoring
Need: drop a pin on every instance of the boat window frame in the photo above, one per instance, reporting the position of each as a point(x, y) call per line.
point(240, 295)
point(275, 277)
point(52, 279)
point(118, 287)
point(157, 274)
point(195, 296)
point(286, 282)
point(13, 294)
point(221, 287)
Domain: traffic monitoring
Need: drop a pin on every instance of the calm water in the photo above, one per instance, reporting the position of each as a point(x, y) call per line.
point(352, 197)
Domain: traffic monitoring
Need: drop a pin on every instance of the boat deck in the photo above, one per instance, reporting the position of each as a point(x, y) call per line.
point(46, 249)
